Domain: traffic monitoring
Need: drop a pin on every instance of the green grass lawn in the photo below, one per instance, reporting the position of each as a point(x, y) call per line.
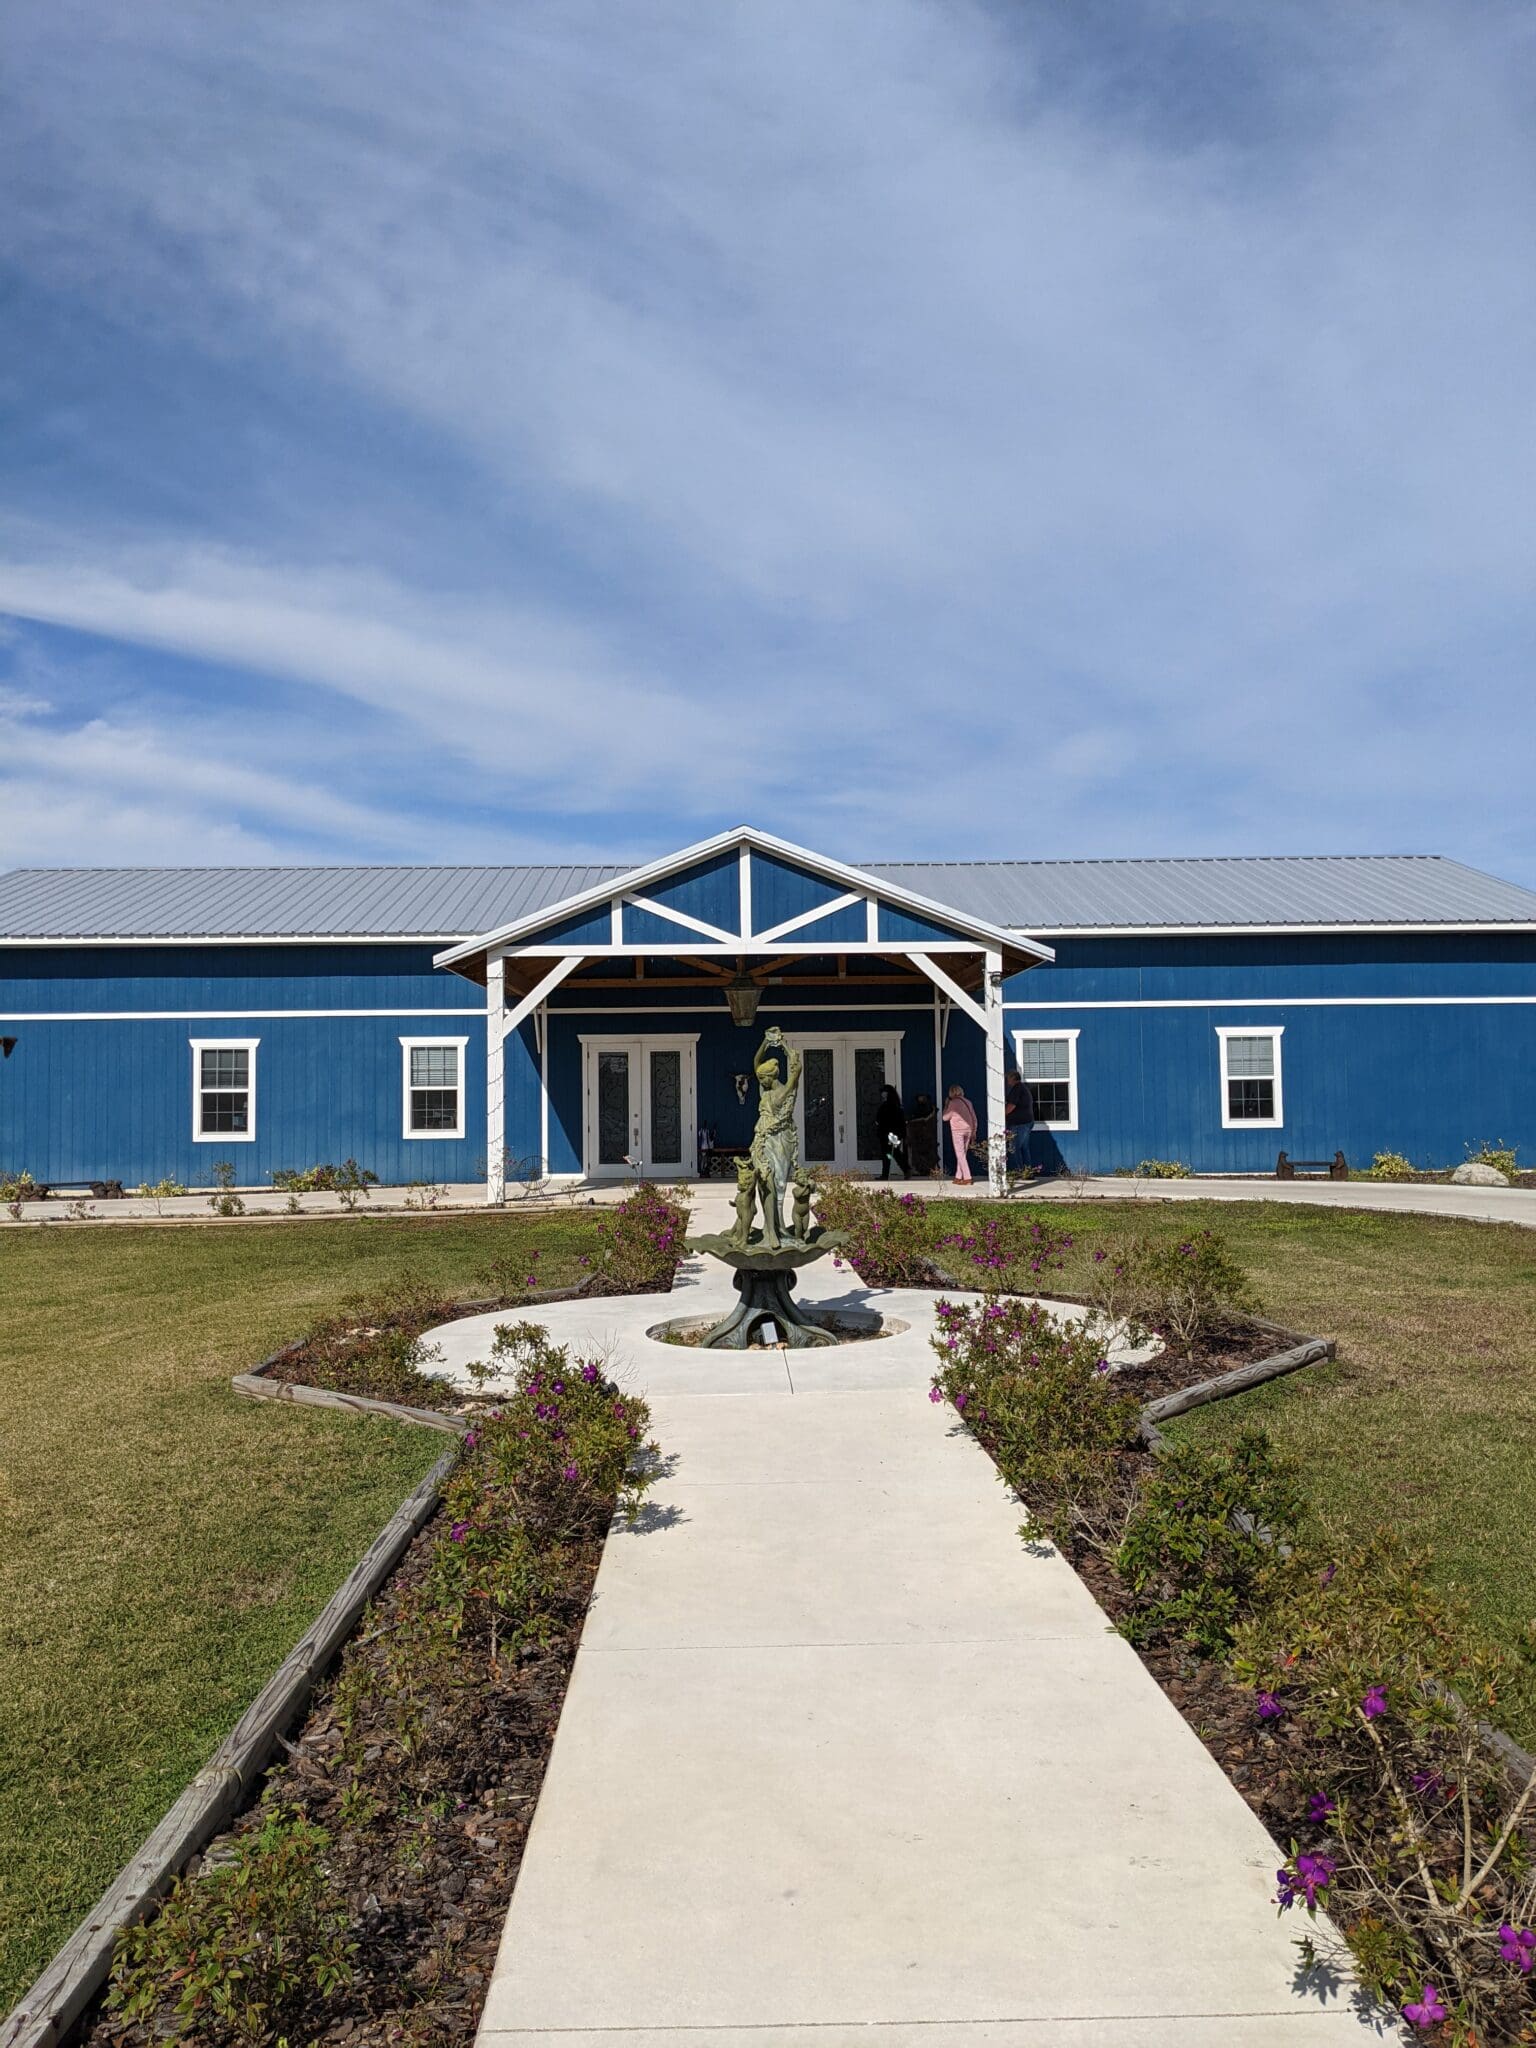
point(1427, 1421)
point(163, 1543)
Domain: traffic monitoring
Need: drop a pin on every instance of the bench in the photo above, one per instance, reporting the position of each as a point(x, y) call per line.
point(718, 1162)
point(1287, 1168)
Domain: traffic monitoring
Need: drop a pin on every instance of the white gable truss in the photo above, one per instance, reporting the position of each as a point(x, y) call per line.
point(740, 897)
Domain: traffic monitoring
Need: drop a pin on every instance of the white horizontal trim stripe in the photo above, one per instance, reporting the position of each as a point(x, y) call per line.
point(1268, 1002)
point(1253, 931)
point(196, 1016)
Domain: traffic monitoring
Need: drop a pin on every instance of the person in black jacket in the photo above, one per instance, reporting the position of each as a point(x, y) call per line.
point(1018, 1115)
point(891, 1129)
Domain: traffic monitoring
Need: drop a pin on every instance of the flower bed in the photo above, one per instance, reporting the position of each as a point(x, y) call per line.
point(373, 1351)
point(1330, 1687)
point(362, 1899)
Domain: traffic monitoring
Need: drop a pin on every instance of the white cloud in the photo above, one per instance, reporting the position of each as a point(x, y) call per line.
point(847, 417)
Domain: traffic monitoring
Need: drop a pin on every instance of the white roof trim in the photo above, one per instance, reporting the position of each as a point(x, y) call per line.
point(638, 879)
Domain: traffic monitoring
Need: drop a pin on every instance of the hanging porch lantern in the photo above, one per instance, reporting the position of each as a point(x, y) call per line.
point(743, 994)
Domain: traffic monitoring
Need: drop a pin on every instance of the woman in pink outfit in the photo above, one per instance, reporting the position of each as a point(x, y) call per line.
point(960, 1115)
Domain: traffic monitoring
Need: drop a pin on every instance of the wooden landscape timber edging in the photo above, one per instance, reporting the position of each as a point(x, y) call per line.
point(1302, 1351)
point(49, 2012)
point(262, 1382)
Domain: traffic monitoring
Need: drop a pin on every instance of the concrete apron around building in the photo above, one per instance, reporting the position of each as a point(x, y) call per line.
point(839, 1752)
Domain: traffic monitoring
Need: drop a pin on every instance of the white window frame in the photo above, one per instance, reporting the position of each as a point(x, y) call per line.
point(407, 1047)
point(199, 1047)
point(1019, 1040)
point(1274, 1032)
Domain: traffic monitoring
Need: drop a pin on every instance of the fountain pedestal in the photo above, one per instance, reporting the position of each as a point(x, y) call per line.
point(765, 1279)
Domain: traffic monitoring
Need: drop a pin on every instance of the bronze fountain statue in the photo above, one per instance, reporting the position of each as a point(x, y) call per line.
point(765, 1261)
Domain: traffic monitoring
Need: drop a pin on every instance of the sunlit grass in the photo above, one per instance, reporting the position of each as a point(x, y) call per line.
point(163, 1543)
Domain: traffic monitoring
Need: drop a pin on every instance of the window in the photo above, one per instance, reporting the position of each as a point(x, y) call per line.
point(224, 1090)
point(1047, 1060)
point(434, 1087)
point(1250, 1077)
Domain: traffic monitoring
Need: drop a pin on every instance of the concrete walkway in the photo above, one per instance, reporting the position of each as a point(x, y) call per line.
point(840, 1755)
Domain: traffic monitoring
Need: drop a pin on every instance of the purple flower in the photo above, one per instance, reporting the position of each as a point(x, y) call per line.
point(1426, 1782)
point(458, 1532)
point(1325, 1576)
point(1099, 1258)
point(1320, 1807)
point(591, 1375)
point(1426, 2010)
point(1270, 1708)
point(1374, 1705)
point(471, 1438)
point(1301, 1884)
point(935, 1393)
point(960, 1401)
point(1517, 1945)
point(570, 1472)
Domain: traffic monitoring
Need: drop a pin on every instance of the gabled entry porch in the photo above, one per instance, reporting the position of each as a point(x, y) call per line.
point(621, 1022)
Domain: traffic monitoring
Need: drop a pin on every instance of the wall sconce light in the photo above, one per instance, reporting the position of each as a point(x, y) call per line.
point(743, 995)
point(743, 1083)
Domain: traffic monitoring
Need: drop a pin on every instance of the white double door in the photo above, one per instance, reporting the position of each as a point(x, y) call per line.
point(840, 1086)
point(639, 1106)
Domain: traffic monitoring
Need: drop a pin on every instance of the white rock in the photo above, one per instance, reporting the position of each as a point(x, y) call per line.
point(1478, 1174)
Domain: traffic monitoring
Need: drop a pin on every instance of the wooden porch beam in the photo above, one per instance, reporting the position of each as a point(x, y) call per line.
point(945, 981)
point(527, 1004)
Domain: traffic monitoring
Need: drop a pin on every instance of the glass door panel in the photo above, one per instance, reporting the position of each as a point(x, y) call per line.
point(666, 1107)
point(613, 1107)
point(818, 1100)
point(868, 1080)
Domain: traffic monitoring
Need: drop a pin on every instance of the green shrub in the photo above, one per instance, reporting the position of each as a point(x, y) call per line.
point(1501, 1155)
point(237, 1953)
point(1186, 1289)
point(890, 1236)
point(1162, 1169)
point(1199, 1552)
point(160, 1192)
point(224, 1201)
point(642, 1243)
point(17, 1187)
point(1041, 1397)
point(1389, 1166)
point(1428, 1868)
point(347, 1179)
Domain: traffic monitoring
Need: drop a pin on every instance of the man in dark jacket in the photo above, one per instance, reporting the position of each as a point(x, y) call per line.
point(1018, 1116)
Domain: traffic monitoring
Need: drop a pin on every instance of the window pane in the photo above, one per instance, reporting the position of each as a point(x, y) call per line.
point(666, 1108)
point(224, 1112)
point(434, 1066)
point(1250, 1099)
point(434, 1109)
point(1045, 1059)
point(1053, 1102)
point(226, 1066)
point(1251, 1058)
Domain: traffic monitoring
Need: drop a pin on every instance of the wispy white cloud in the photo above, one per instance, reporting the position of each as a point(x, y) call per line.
point(885, 423)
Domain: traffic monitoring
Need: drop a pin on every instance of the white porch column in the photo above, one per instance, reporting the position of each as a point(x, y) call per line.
point(495, 1091)
point(997, 1113)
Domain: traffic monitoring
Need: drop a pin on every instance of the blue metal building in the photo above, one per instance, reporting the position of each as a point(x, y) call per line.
point(452, 1024)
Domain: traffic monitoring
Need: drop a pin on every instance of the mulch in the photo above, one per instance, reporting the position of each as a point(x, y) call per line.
point(427, 1879)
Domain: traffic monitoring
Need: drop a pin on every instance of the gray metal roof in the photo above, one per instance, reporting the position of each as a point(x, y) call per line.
point(1038, 896)
point(1284, 889)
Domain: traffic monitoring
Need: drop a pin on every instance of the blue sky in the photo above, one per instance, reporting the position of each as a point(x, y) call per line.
point(487, 432)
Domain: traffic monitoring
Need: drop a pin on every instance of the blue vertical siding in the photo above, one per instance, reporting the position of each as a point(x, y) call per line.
point(99, 1083)
point(1429, 1074)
